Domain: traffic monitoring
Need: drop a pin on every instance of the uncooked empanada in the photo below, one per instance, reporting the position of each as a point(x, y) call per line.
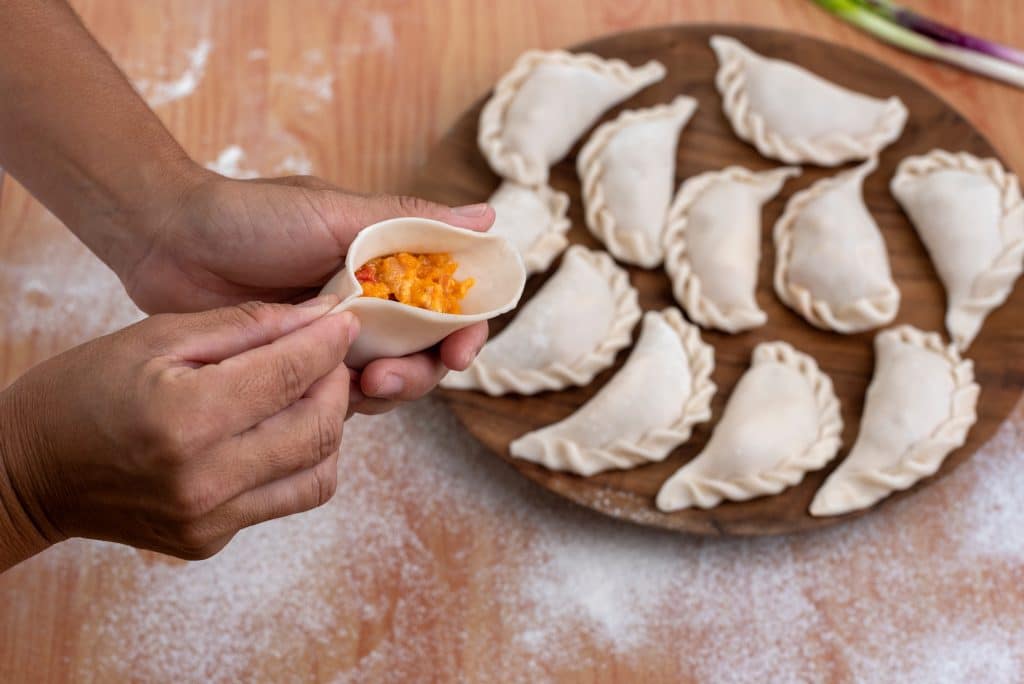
point(546, 102)
point(533, 218)
point(713, 245)
point(788, 113)
point(918, 408)
point(564, 336)
point(831, 265)
point(781, 421)
point(647, 409)
point(969, 215)
point(627, 171)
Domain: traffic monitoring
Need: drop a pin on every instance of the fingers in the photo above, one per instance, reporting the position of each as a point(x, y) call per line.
point(212, 336)
point(259, 382)
point(403, 379)
point(352, 213)
point(460, 348)
point(298, 438)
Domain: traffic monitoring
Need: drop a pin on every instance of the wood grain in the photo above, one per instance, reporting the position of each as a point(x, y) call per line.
point(392, 102)
point(456, 173)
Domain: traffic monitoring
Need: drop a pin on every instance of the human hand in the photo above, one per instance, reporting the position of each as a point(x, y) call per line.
point(217, 241)
point(178, 431)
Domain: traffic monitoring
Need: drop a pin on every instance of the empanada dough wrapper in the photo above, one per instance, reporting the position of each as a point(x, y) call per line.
point(390, 329)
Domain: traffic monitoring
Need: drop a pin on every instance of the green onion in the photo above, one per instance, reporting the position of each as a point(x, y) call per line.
point(958, 49)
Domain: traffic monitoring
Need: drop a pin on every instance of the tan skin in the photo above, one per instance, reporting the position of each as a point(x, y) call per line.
point(221, 411)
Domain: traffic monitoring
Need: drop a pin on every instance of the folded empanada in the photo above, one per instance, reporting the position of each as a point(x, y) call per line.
point(647, 409)
point(565, 335)
point(788, 113)
point(781, 421)
point(713, 245)
point(534, 220)
point(969, 215)
point(831, 264)
point(919, 407)
point(546, 102)
point(627, 171)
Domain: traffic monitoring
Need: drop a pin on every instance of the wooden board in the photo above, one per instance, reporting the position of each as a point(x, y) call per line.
point(456, 173)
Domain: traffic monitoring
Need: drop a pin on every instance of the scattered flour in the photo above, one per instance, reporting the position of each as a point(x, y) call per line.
point(229, 163)
point(161, 92)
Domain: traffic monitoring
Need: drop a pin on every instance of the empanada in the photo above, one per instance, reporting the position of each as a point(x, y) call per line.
point(647, 409)
point(788, 113)
point(627, 171)
point(546, 102)
point(565, 335)
point(781, 421)
point(831, 264)
point(713, 245)
point(533, 219)
point(969, 215)
point(919, 407)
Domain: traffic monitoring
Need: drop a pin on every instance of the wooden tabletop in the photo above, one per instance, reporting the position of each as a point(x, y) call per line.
point(435, 562)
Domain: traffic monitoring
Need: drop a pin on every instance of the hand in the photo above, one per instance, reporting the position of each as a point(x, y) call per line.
point(220, 241)
point(178, 431)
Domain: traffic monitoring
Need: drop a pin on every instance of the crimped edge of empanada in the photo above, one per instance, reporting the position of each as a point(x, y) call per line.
point(496, 381)
point(553, 241)
point(509, 163)
point(683, 490)
point(995, 284)
point(562, 454)
point(863, 314)
point(590, 166)
point(923, 459)
point(749, 125)
point(686, 284)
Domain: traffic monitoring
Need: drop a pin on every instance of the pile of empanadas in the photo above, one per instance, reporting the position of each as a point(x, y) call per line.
point(831, 267)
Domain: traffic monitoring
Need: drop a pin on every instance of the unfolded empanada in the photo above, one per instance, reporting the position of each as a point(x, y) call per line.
point(831, 264)
point(969, 215)
point(546, 102)
point(713, 245)
point(647, 409)
point(788, 113)
point(919, 407)
point(533, 219)
point(781, 421)
point(627, 171)
point(565, 335)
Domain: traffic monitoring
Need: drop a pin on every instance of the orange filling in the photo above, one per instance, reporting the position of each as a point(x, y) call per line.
point(426, 281)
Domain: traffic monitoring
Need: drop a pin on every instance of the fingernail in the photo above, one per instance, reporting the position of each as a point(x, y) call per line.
point(322, 302)
point(471, 210)
point(351, 322)
point(390, 386)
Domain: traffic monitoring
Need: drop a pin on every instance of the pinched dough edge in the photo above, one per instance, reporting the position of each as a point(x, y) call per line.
point(861, 489)
point(496, 381)
point(553, 241)
point(827, 150)
point(509, 163)
point(863, 314)
point(994, 285)
point(686, 284)
point(683, 490)
point(562, 454)
point(590, 166)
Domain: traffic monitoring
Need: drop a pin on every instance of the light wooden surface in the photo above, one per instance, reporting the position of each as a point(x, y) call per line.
point(433, 564)
point(456, 173)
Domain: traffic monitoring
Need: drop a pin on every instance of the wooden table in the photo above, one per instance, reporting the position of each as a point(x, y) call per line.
point(434, 562)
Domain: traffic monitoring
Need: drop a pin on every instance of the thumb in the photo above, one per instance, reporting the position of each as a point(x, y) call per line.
point(360, 211)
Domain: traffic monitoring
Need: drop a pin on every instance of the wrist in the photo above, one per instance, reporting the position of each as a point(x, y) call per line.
point(24, 529)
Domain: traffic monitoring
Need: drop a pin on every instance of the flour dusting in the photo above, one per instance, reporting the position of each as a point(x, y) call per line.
point(161, 92)
point(230, 163)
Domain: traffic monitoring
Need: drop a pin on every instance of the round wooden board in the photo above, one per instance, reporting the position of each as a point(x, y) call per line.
point(456, 173)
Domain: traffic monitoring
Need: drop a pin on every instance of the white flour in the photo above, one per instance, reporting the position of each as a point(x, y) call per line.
point(161, 92)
